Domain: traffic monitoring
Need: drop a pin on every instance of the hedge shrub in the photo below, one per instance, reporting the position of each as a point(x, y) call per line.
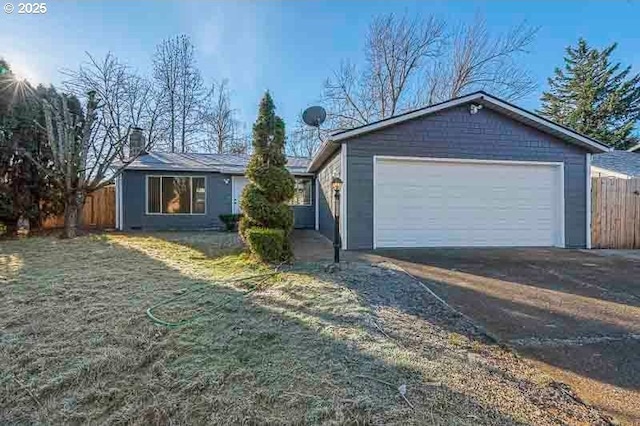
point(268, 244)
point(264, 199)
point(230, 221)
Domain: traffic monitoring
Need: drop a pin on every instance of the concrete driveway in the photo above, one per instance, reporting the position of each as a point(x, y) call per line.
point(576, 313)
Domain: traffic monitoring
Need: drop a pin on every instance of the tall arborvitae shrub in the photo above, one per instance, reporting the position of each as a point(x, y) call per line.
point(267, 218)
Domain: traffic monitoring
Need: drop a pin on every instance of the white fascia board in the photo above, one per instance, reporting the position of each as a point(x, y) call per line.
point(609, 172)
point(404, 117)
point(522, 114)
point(588, 202)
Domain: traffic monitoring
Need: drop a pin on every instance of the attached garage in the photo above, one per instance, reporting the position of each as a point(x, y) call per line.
point(455, 202)
point(474, 171)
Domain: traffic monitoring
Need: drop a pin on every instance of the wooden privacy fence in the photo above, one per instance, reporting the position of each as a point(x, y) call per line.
point(99, 211)
point(615, 213)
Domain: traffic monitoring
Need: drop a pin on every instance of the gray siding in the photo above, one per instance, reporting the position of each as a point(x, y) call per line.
point(457, 134)
point(305, 216)
point(135, 217)
point(326, 173)
point(218, 202)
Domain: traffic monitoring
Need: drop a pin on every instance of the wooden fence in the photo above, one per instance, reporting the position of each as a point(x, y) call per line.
point(615, 213)
point(99, 211)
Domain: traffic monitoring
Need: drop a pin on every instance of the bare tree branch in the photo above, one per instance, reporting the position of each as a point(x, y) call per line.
point(183, 92)
point(482, 61)
point(410, 62)
point(219, 120)
point(304, 140)
point(395, 50)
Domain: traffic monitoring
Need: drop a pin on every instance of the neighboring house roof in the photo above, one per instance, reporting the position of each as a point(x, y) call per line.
point(483, 98)
point(223, 163)
point(634, 148)
point(623, 162)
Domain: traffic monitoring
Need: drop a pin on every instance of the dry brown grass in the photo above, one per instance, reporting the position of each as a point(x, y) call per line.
point(76, 346)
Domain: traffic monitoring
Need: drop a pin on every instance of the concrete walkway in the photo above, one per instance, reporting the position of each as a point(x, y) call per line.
point(311, 246)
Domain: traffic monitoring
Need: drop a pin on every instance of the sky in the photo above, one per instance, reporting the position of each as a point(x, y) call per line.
point(288, 47)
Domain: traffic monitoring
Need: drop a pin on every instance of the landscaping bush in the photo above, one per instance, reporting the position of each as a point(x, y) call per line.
point(230, 221)
point(264, 199)
point(268, 244)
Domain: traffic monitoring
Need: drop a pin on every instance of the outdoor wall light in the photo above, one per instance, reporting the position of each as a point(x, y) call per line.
point(336, 183)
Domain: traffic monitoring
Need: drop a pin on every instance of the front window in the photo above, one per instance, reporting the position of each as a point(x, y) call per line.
point(176, 195)
point(302, 194)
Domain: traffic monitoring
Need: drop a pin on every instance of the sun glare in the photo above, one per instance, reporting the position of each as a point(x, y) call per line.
point(18, 88)
point(21, 69)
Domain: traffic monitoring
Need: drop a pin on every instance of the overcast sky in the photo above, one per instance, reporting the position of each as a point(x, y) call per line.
point(288, 47)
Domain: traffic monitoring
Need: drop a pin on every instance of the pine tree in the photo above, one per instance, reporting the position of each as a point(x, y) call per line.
point(594, 96)
point(267, 219)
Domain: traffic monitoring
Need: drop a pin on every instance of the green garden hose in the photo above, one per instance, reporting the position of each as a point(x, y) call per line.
point(169, 324)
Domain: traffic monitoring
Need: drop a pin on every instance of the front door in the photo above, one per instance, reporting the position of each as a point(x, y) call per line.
point(237, 185)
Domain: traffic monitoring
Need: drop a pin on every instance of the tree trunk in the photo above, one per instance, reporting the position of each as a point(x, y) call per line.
point(72, 208)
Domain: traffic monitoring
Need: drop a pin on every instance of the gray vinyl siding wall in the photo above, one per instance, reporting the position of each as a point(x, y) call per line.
point(218, 202)
point(134, 199)
point(326, 173)
point(456, 133)
point(304, 217)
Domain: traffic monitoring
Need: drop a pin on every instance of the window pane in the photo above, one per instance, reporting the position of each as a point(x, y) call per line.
point(153, 194)
point(176, 195)
point(302, 194)
point(199, 195)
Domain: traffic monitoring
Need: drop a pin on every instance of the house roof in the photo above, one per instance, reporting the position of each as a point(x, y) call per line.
point(191, 162)
point(483, 98)
point(634, 148)
point(624, 162)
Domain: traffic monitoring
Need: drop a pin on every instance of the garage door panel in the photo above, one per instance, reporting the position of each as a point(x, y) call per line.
point(452, 203)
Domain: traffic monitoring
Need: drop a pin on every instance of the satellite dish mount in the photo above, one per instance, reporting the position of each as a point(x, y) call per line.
point(314, 116)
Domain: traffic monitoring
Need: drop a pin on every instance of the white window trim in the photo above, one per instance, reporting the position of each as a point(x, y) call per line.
point(317, 196)
point(146, 195)
point(118, 203)
point(310, 203)
point(560, 164)
point(588, 201)
point(343, 198)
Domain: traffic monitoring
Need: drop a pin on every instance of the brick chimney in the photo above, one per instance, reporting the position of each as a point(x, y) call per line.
point(136, 142)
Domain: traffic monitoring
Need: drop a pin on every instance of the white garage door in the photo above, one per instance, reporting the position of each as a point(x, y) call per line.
point(439, 203)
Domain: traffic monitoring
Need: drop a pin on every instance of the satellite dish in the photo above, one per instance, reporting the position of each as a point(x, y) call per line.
point(314, 116)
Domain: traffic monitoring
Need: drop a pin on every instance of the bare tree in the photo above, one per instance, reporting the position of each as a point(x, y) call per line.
point(304, 140)
point(482, 61)
point(166, 74)
point(86, 154)
point(89, 146)
point(146, 108)
point(396, 49)
point(239, 145)
point(219, 120)
point(126, 100)
point(413, 62)
point(180, 82)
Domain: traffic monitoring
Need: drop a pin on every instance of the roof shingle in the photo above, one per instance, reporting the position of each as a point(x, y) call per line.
point(624, 162)
point(225, 163)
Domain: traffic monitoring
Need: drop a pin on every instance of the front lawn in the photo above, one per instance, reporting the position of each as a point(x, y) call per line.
point(301, 346)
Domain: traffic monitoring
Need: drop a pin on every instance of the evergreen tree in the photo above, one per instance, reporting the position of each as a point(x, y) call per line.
point(267, 219)
point(594, 96)
point(25, 191)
